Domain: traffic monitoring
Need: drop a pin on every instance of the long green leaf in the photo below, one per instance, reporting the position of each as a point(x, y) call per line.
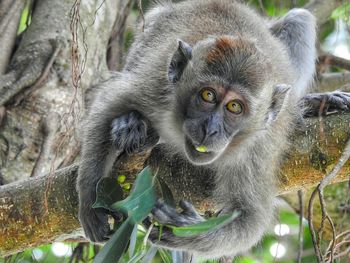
point(150, 255)
point(166, 192)
point(137, 257)
point(115, 247)
point(165, 255)
point(205, 226)
point(108, 191)
point(141, 199)
point(133, 239)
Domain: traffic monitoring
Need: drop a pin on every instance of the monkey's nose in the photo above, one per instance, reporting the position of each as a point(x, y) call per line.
point(212, 133)
point(209, 133)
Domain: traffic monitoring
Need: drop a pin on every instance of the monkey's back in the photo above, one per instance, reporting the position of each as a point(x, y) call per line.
point(193, 21)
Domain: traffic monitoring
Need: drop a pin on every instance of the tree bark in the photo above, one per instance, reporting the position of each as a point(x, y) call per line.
point(43, 209)
point(38, 131)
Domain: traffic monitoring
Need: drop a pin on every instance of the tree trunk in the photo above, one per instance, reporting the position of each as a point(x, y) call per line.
point(43, 107)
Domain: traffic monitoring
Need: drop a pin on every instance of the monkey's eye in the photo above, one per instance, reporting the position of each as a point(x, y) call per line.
point(208, 95)
point(235, 107)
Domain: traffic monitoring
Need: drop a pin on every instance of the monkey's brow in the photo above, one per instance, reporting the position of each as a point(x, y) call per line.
point(209, 79)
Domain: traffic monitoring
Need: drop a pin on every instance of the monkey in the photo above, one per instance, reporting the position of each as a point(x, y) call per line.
point(220, 85)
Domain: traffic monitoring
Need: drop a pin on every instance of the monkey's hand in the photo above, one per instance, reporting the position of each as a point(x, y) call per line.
point(94, 221)
point(230, 239)
point(133, 133)
point(167, 215)
point(316, 104)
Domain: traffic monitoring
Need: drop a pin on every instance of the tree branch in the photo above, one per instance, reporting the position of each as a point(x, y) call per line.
point(24, 222)
point(332, 81)
point(329, 59)
point(322, 9)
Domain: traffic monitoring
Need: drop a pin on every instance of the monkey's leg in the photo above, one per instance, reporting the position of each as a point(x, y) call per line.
point(297, 31)
point(316, 104)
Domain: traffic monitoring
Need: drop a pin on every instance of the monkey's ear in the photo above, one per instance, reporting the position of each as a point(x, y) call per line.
point(278, 98)
point(179, 61)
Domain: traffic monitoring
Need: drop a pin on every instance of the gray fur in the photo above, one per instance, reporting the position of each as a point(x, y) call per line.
point(246, 148)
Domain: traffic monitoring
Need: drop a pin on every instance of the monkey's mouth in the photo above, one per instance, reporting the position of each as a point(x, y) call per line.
point(198, 154)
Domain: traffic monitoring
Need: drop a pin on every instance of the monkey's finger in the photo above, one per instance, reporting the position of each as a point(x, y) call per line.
point(188, 208)
point(166, 208)
point(168, 215)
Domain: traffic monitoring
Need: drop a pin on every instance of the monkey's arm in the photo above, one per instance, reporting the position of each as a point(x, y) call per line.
point(111, 129)
point(255, 205)
point(236, 237)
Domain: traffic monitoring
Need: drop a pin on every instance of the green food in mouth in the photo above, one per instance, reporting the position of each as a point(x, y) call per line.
point(201, 149)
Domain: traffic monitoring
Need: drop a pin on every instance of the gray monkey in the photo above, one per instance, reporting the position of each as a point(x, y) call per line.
point(220, 85)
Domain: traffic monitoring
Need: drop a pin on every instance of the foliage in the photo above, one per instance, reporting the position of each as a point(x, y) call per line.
point(136, 208)
point(261, 253)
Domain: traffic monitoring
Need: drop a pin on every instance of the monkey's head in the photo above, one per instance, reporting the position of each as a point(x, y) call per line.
point(223, 94)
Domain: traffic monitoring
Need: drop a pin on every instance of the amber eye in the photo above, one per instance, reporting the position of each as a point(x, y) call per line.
point(208, 95)
point(235, 107)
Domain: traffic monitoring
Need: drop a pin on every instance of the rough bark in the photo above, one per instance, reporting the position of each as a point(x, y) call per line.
point(27, 220)
point(37, 132)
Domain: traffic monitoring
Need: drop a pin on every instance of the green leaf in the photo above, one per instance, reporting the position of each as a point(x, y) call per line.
point(289, 218)
point(133, 239)
point(141, 199)
point(137, 257)
point(341, 12)
point(108, 191)
point(115, 247)
point(166, 192)
point(205, 226)
point(165, 255)
point(150, 255)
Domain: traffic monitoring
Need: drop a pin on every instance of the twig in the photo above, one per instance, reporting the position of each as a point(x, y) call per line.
point(301, 227)
point(329, 59)
point(319, 189)
point(142, 15)
point(312, 228)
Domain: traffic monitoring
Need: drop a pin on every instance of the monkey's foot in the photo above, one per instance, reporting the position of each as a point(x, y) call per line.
point(316, 104)
point(95, 224)
point(167, 215)
point(132, 133)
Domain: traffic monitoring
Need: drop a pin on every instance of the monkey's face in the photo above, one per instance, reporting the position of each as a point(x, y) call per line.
point(215, 83)
point(212, 116)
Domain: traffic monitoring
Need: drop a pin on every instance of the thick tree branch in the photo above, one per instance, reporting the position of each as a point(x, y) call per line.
point(332, 81)
point(322, 9)
point(329, 59)
point(25, 222)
